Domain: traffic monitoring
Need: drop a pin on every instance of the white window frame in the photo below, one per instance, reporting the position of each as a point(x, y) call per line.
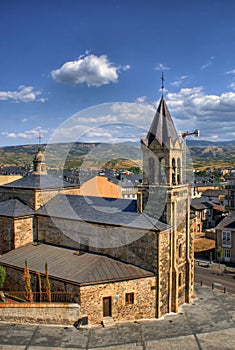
point(226, 239)
point(227, 255)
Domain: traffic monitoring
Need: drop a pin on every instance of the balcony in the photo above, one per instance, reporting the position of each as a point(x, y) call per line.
point(227, 244)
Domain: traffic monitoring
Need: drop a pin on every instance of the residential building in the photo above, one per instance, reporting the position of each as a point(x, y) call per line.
point(225, 231)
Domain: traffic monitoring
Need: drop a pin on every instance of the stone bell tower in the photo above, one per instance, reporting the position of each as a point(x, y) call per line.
point(164, 195)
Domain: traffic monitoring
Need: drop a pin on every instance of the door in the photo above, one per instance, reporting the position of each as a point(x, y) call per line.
point(107, 306)
point(227, 255)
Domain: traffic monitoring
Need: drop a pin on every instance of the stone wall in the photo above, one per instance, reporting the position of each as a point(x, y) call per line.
point(6, 234)
point(90, 299)
point(15, 232)
point(141, 250)
point(43, 313)
point(25, 195)
point(144, 305)
point(34, 198)
point(164, 274)
point(23, 231)
point(44, 195)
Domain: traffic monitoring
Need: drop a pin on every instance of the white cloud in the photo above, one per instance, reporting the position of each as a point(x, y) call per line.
point(141, 99)
point(125, 68)
point(232, 71)
point(28, 134)
point(24, 94)
point(232, 86)
point(209, 63)
point(213, 115)
point(162, 67)
point(179, 80)
point(89, 69)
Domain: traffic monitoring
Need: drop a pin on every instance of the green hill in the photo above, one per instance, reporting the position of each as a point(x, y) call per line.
point(102, 155)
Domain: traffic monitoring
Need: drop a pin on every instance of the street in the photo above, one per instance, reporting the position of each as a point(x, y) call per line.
point(208, 275)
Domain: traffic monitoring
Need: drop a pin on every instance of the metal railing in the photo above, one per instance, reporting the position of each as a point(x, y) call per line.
point(55, 297)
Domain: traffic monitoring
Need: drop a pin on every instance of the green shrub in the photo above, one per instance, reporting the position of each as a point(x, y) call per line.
point(2, 276)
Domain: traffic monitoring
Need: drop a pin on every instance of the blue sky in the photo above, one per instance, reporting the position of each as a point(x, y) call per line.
point(61, 57)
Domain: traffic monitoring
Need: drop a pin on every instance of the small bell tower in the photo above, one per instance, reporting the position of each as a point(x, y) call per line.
point(39, 163)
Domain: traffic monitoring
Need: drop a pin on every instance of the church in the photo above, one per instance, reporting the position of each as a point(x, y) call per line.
point(122, 259)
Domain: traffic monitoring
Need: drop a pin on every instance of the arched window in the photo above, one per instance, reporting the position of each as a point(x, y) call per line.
point(179, 171)
point(162, 175)
point(173, 172)
point(151, 171)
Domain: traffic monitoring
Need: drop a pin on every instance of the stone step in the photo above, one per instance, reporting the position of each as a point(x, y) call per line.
point(108, 321)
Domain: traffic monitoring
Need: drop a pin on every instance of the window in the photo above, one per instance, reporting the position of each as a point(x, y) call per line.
point(151, 171)
point(179, 170)
point(173, 172)
point(180, 279)
point(129, 298)
point(227, 253)
point(226, 239)
point(162, 175)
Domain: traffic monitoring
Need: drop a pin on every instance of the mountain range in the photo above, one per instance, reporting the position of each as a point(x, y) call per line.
point(99, 155)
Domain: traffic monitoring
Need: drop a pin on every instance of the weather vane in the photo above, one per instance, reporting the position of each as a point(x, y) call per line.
point(162, 79)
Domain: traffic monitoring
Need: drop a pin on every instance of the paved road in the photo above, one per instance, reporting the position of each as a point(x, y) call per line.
point(206, 324)
point(209, 274)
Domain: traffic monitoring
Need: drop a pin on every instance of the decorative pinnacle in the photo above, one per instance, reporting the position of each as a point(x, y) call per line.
point(162, 79)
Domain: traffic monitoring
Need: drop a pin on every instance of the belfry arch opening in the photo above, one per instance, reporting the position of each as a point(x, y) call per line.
point(162, 170)
point(179, 171)
point(173, 172)
point(151, 170)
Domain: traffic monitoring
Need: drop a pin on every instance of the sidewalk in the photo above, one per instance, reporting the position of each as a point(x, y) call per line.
point(207, 323)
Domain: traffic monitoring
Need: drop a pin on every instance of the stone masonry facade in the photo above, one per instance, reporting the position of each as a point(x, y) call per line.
point(143, 306)
point(15, 232)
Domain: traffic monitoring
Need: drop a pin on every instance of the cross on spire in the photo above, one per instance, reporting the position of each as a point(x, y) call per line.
point(162, 79)
point(39, 137)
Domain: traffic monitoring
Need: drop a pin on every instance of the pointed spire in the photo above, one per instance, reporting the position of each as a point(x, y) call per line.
point(162, 128)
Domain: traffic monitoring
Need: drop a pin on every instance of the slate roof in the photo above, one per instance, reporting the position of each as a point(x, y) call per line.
point(38, 181)
point(133, 180)
point(200, 204)
point(215, 193)
point(114, 211)
point(162, 127)
point(227, 223)
point(14, 208)
point(204, 181)
point(67, 264)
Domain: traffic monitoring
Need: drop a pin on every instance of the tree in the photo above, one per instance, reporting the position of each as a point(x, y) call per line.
point(2, 276)
point(39, 286)
point(27, 283)
point(47, 282)
point(219, 254)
